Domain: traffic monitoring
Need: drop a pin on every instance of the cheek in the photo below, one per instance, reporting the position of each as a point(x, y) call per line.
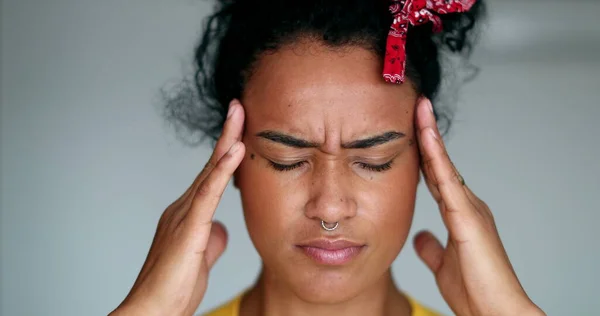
point(270, 208)
point(392, 201)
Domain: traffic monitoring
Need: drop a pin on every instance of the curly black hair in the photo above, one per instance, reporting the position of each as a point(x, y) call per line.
point(239, 31)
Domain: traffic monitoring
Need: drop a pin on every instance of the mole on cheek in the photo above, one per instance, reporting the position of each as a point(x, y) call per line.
point(252, 156)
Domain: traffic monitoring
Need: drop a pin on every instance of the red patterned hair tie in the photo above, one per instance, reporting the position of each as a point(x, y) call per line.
point(415, 12)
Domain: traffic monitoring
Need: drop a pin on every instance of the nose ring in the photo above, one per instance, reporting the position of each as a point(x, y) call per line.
point(324, 225)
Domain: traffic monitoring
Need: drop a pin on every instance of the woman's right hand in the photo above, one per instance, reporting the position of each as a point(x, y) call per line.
point(187, 243)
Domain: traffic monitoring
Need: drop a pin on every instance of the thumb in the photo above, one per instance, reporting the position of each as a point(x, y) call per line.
point(216, 243)
point(429, 249)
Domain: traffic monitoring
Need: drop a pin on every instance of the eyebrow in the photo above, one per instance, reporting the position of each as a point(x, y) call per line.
point(292, 141)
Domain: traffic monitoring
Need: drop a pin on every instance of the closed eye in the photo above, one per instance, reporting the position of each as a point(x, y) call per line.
point(366, 166)
point(282, 167)
point(376, 168)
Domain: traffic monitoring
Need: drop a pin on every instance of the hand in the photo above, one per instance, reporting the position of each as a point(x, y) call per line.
point(473, 271)
point(187, 243)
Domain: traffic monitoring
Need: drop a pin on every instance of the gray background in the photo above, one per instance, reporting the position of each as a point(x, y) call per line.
point(88, 165)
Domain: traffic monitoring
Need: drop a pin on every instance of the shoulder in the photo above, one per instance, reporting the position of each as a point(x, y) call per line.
point(230, 308)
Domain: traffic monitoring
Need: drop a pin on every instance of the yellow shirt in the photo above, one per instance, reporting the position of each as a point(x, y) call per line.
point(233, 308)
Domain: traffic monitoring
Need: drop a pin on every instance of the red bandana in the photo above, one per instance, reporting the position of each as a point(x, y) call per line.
point(415, 12)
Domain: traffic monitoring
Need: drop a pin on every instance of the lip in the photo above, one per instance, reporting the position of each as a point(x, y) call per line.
point(332, 252)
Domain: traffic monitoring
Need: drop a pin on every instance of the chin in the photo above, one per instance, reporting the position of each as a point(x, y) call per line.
point(326, 285)
point(326, 291)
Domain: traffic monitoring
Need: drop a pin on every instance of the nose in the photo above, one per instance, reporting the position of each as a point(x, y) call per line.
point(331, 199)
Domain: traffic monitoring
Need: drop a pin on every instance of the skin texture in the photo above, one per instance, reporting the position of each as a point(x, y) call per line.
point(329, 98)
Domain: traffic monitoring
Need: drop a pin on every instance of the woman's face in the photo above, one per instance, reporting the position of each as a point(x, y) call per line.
point(327, 139)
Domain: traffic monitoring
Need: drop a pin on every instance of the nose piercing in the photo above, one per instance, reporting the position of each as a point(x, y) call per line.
point(324, 225)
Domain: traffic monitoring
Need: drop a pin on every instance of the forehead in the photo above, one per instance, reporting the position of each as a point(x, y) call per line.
point(308, 88)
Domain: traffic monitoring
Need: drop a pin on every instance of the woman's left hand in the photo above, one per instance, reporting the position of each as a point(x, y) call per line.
point(473, 271)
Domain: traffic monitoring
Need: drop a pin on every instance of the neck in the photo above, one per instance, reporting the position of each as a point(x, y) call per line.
point(269, 297)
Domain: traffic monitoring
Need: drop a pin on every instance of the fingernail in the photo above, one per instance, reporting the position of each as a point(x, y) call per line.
point(432, 132)
point(430, 105)
point(232, 108)
point(235, 148)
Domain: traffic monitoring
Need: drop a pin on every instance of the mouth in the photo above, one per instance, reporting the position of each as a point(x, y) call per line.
point(334, 253)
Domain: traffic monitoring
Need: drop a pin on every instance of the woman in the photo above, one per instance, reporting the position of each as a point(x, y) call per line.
point(326, 152)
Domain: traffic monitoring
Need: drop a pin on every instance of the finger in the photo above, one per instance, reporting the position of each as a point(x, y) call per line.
point(443, 173)
point(211, 190)
point(217, 241)
point(426, 117)
point(440, 170)
point(232, 133)
point(429, 249)
point(423, 108)
point(427, 171)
